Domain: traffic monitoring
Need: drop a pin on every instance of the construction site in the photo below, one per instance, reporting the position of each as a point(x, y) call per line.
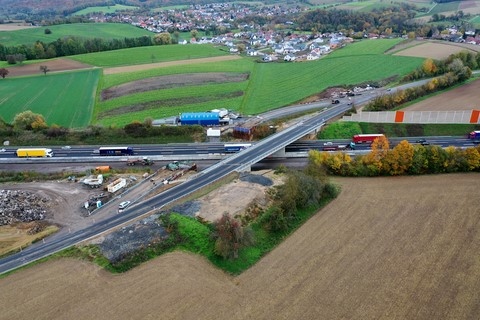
point(77, 201)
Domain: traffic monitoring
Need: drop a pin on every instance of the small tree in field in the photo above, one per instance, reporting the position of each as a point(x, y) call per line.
point(230, 236)
point(44, 69)
point(3, 72)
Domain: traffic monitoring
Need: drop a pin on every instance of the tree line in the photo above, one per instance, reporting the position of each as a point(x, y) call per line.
point(72, 45)
point(29, 128)
point(403, 159)
point(456, 69)
point(386, 21)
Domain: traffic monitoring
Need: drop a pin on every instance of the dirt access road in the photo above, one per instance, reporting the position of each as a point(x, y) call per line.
point(389, 254)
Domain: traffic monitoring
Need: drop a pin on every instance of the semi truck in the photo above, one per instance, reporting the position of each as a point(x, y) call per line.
point(34, 152)
point(336, 147)
point(366, 138)
point(235, 147)
point(141, 161)
point(474, 135)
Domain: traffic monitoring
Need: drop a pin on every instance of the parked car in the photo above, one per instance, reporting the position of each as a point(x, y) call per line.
point(123, 205)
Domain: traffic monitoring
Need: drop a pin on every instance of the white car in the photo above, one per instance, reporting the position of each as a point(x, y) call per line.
point(66, 148)
point(123, 205)
point(329, 143)
point(3, 150)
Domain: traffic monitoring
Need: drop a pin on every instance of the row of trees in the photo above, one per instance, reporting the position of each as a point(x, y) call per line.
point(457, 73)
point(431, 67)
point(31, 128)
point(72, 45)
point(403, 159)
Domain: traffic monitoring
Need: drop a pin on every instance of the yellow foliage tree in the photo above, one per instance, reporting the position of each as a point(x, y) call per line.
point(429, 67)
point(473, 158)
point(399, 160)
point(380, 147)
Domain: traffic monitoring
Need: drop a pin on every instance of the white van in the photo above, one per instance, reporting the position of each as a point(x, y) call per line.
point(123, 205)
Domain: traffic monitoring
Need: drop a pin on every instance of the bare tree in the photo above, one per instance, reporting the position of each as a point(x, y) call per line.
point(44, 69)
point(3, 72)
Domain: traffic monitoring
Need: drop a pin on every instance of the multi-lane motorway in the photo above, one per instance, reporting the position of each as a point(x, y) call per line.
point(236, 162)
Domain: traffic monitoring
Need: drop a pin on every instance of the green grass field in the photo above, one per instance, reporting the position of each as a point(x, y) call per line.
point(65, 99)
point(105, 9)
point(83, 30)
point(269, 85)
point(445, 7)
point(152, 54)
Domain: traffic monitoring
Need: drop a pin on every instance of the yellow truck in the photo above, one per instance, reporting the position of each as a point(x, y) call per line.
point(34, 152)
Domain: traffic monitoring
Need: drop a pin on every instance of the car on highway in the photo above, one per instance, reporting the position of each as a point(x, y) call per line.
point(328, 143)
point(423, 142)
point(123, 205)
point(66, 148)
point(3, 150)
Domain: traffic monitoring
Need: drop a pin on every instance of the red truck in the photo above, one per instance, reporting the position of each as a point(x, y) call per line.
point(366, 138)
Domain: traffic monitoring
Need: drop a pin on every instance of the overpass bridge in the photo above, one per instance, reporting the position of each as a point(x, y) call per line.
point(236, 162)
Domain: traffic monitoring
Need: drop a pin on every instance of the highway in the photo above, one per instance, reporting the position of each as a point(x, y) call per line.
point(236, 162)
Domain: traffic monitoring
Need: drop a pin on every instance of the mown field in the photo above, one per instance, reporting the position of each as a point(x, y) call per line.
point(85, 30)
point(66, 99)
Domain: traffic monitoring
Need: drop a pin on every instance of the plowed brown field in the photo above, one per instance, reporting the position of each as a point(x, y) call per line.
point(403, 248)
point(465, 97)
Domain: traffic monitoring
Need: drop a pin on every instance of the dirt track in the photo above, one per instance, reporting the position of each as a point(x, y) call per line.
point(380, 251)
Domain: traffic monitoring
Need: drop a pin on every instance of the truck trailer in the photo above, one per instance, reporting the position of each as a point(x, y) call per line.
point(34, 152)
point(474, 135)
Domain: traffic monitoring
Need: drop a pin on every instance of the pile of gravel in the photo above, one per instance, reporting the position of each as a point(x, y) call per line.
point(131, 238)
point(255, 178)
point(189, 208)
point(21, 206)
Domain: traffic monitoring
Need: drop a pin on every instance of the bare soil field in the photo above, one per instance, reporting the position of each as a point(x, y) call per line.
point(434, 50)
point(170, 81)
point(400, 247)
point(54, 65)
point(465, 97)
point(15, 26)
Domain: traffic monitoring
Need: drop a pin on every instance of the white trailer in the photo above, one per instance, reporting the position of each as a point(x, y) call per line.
point(93, 181)
point(117, 185)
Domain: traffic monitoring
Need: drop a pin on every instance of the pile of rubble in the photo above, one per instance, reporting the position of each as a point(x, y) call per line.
point(21, 206)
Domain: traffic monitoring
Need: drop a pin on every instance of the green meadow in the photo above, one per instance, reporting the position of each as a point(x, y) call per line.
point(143, 55)
point(268, 86)
point(105, 9)
point(83, 30)
point(66, 99)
